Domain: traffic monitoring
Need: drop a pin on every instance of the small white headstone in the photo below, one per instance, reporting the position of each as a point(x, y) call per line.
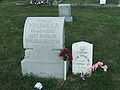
point(119, 4)
point(65, 11)
point(43, 38)
point(102, 1)
point(82, 53)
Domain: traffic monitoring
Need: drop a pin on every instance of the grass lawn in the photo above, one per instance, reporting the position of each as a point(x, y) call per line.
point(12, 0)
point(90, 1)
point(96, 25)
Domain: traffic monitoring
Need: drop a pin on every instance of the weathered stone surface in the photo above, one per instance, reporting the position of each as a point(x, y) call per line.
point(43, 39)
point(44, 31)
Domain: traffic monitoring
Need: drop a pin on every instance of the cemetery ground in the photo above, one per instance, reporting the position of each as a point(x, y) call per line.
point(97, 25)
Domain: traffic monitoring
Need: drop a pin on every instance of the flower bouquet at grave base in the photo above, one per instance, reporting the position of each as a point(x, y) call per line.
point(66, 54)
point(98, 65)
point(38, 2)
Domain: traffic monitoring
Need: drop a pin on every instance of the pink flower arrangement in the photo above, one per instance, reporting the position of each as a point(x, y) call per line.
point(105, 67)
point(95, 66)
point(66, 54)
point(100, 63)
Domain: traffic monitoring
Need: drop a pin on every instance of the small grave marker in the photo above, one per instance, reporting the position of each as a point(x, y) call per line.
point(119, 4)
point(102, 2)
point(65, 11)
point(82, 53)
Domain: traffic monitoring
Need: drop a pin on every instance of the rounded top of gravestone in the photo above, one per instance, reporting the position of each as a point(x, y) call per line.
point(82, 42)
point(44, 31)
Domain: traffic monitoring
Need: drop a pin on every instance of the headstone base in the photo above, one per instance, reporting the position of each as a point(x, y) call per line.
point(118, 5)
point(68, 19)
point(43, 69)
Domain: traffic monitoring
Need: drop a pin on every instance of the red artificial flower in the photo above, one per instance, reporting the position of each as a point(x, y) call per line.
point(66, 50)
point(62, 53)
point(70, 56)
point(66, 54)
point(83, 78)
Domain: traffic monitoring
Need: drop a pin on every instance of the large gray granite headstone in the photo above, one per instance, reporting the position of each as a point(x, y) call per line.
point(43, 38)
point(65, 11)
point(82, 53)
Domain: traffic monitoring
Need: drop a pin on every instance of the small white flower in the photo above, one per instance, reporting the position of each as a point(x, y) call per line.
point(38, 85)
